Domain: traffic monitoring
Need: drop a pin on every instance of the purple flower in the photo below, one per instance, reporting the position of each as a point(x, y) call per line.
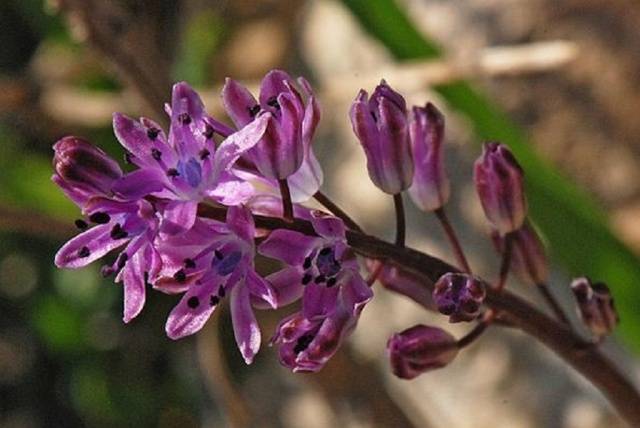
point(186, 166)
point(291, 124)
point(430, 189)
point(459, 296)
point(528, 259)
point(213, 261)
point(499, 183)
point(82, 170)
point(380, 123)
point(595, 306)
point(419, 349)
point(323, 268)
point(306, 345)
point(402, 282)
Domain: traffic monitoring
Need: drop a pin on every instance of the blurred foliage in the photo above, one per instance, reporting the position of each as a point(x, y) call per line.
point(574, 226)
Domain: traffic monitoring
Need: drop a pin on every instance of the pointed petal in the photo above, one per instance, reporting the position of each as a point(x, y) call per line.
point(245, 326)
point(238, 143)
point(272, 85)
point(355, 292)
point(287, 245)
point(138, 184)
point(192, 312)
point(307, 180)
point(230, 190)
point(134, 285)
point(240, 221)
point(287, 284)
point(178, 217)
point(238, 102)
point(328, 226)
point(262, 289)
point(87, 247)
point(318, 300)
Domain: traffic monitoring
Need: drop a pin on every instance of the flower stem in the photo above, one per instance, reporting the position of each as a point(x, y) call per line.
point(477, 331)
point(400, 220)
point(287, 206)
point(552, 302)
point(506, 262)
point(336, 210)
point(453, 239)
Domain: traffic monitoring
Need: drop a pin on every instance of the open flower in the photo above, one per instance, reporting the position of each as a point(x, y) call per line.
point(212, 261)
point(322, 268)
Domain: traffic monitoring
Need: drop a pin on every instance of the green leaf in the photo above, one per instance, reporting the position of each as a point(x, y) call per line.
point(576, 229)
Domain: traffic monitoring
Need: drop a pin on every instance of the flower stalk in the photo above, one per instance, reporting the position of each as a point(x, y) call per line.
point(400, 220)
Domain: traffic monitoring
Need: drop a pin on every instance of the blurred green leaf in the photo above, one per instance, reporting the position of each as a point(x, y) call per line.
point(199, 42)
point(59, 325)
point(575, 227)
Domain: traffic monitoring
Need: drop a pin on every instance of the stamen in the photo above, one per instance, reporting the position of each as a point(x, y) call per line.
point(218, 254)
point(118, 232)
point(320, 279)
point(193, 302)
point(172, 172)
point(204, 153)
point(189, 263)
point(208, 132)
point(81, 224)
point(306, 279)
point(152, 133)
point(184, 118)
point(331, 282)
point(307, 263)
point(221, 292)
point(214, 300)
point(180, 276)
point(84, 252)
point(106, 271)
point(273, 102)
point(99, 218)
point(253, 111)
point(156, 154)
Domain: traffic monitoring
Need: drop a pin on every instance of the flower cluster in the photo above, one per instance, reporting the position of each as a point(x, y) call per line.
point(152, 222)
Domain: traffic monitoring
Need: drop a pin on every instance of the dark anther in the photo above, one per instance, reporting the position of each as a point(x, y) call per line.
point(302, 343)
point(307, 263)
point(214, 300)
point(331, 282)
point(208, 132)
point(273, 102)
point(156, 154)
point(193, 302)
point(184, 118)
point(325, 251)
point(152, 133)
point(306, 279)
point(81, 224)
point(122, 260)
point(253, 111)
point(204, 153)
point(218, 254)
point(320, 279)
point(99, 218)
point(84, 252)
point(128, 156)
point(172, 172)
point(117, 232)
point(221, 292)
point(180, 276)
point(189, 263)
point(106, 271)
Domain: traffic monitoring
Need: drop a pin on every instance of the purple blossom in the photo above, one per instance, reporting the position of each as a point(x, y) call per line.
point(402, 282)
point(291, 124)
point(595, 306)
point(419, 349)
point(212, 261)
point(499, 183)
point(430, 188)
point(381, 125)
point(528, 259)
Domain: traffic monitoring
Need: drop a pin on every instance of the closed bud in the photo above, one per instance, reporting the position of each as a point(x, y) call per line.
point(459, 296)
point(381, 125)
point(83, 170)
point(419, 349)
point(430, 189)
point(499, 183)
point(595, 306)
point(528, 258)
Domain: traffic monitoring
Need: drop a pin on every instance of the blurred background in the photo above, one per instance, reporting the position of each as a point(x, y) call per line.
point(559, 81)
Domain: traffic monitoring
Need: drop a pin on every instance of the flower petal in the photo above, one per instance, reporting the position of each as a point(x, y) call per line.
point(262, 289)
point(134, 284)
point(238, 102)
point(328, 226)
point(287, 245)
point(240, 221)
point(193, 310)
point(355, 292)
point(178, 217)
point(319, 300)
point(138, 184)
point(287, 284)
point(245, 326)
point(307, 180)
point(87, 247)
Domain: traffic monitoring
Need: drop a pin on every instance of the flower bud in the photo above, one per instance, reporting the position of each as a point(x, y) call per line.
point(419, 349)
point(595, 306)
point(528, 259)
point(430, 189)
point(499, 183)
point(459, 296)
point(83, 170)
point(403, 282)
point(381, 125)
